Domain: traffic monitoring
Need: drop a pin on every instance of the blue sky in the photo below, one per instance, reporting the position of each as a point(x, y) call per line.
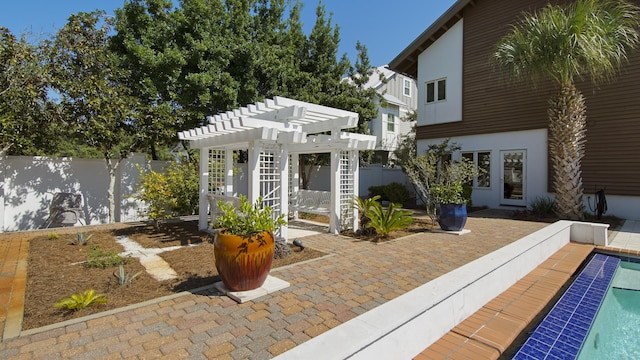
point(385, 27)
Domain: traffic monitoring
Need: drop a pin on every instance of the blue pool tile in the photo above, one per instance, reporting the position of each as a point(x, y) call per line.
point(529, 352)
point(561, 333)
point(557, 353)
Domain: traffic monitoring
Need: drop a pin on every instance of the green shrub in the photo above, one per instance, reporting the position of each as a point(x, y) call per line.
point(466, 194)
point(102, 259)
point(386, 221)
point(81, 300)
point(378, 191)
point(396, 193)
point(53, 236)
point(170, 193)
point(543, 205)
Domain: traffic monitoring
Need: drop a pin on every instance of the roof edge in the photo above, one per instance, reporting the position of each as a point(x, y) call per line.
point(406, 62)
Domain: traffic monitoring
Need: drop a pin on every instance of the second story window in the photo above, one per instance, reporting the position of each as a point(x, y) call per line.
point(406, 87)
point(436, 90)
point(391, 122)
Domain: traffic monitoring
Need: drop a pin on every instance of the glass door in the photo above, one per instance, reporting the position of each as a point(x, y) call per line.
point(513, 177)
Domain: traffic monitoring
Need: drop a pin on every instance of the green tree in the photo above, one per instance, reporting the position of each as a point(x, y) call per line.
point(95, 99)
point(144, 40)
point(24, 106)
point(585, 38)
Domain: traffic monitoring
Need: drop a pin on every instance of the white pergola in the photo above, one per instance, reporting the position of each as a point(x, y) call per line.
point(275, 132)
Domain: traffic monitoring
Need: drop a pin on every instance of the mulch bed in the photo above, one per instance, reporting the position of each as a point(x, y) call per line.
point(56, 269)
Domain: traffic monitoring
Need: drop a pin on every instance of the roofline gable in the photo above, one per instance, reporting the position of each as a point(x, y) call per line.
point(407, 61)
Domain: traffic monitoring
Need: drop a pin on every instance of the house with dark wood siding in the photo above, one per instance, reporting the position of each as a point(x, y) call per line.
point(502, 126)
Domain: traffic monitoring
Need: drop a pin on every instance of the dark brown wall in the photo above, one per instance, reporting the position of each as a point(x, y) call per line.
point(491, 104)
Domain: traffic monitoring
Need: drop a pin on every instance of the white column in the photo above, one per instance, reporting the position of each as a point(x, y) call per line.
point(284, 188)
point(334, 217)
point(204, 185)
point(254, 171)
point(295, 177)
point(355, 167)
point(228, 171)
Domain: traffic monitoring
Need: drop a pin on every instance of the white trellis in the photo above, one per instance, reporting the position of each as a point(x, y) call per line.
point(274, 133)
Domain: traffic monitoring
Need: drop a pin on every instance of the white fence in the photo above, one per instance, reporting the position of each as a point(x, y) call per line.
point(27, 185)
point(372, 175)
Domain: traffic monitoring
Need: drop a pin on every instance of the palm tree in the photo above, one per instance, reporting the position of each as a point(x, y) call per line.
point(586, 38)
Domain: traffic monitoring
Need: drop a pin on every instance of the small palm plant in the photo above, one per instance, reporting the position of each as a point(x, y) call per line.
point(364, 206)
point(385, 221)
point(81, 300)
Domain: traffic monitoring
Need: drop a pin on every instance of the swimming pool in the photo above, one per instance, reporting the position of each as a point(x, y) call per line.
point(596, 311)
point(614, 334)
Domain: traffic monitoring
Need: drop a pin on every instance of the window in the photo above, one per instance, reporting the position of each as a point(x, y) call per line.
point(482, 159)
point(437, 90)
point(407, 87)
point(391, 122)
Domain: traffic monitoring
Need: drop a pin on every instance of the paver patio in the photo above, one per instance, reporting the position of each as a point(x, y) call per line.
point(356, 277)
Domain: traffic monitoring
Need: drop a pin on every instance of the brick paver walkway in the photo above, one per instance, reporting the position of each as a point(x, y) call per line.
point(357, 277)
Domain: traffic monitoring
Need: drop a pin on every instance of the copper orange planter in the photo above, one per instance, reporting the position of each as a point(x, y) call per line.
point(243, 262)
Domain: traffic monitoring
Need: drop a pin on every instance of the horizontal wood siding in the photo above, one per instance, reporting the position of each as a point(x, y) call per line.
point(491, 104)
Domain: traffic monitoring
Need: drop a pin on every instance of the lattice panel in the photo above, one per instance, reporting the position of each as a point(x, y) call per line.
point(270, 178)
point(347, 180)
point(216, 172)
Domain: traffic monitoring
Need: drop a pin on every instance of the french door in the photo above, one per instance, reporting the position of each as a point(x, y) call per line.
point(513, 177)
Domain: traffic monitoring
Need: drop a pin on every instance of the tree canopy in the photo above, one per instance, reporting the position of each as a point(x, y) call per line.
point(110, 85)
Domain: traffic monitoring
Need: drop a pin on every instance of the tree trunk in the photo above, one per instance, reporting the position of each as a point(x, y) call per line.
point(567, 138)
point(112, 168)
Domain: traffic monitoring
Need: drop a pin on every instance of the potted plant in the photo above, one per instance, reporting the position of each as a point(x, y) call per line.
point(442, 182)
point(244, 244)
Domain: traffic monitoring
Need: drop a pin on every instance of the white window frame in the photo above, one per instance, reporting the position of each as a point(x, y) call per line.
point(391, 120)
point(406, 87)
point(437, 97)
point(475, 158)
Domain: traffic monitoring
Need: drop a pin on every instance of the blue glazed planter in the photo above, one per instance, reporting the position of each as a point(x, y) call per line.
point(452, 217)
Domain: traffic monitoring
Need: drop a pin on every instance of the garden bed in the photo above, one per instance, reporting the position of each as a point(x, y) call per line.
point(57, 269)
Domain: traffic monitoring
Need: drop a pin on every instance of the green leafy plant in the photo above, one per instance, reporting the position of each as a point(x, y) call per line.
point(169, 193)
point(249, 219)
point(378, 190)
point(543, 205)
point(439, 179)
point(81, 239)
point(396, 193)
point(101, 259)
point(81, 300)
point(384, 221)
point(125, 278)
point(53, 236)
point(364, 206)
point(154, 192)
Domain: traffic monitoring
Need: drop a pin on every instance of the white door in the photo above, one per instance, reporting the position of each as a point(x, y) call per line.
point(513, 177)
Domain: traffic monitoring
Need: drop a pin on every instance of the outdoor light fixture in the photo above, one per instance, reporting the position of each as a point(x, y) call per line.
point(298, 243)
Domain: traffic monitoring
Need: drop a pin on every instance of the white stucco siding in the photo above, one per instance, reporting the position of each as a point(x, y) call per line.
point(533, 141)
point(442, 60)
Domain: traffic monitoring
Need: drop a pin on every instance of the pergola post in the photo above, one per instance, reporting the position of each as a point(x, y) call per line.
point(284, 187)
point(228, 171)
point(294, 176)
point(204, 191)
point(334, 218)
point(355, 164)
point(255, 148)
